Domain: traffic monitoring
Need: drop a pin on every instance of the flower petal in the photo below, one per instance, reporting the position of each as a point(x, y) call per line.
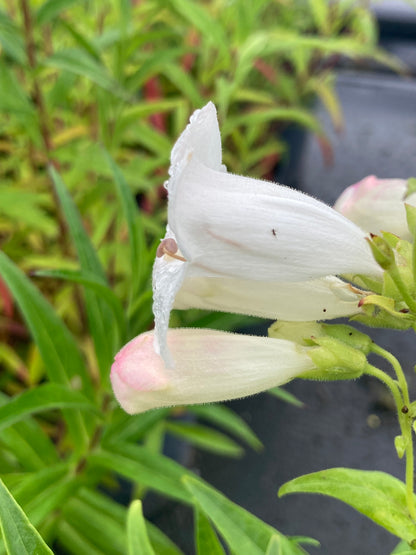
point(234, 226)
point(377, 205)
point(200, 138)
point(167, 277)
point(209, 366)
point(319, 299)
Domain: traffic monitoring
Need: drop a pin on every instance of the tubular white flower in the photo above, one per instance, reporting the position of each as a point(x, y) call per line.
point(377, 205)
point(209, 366)
point(324, 298)
point(225, 230)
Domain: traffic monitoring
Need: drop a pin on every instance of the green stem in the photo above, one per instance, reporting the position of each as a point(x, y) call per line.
point(405, 424)
point(397, 368)
point(389, 382)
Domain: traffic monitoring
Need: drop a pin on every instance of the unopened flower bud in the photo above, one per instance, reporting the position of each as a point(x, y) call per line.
point(336, 360)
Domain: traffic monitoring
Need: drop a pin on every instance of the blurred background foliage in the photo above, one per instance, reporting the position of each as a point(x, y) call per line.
point(93, 94)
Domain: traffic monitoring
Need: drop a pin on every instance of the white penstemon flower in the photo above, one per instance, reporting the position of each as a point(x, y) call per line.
point(241, 245)
point(377, 205)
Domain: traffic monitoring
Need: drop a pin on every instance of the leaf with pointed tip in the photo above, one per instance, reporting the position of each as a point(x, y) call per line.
point(44, 397)
point(244, 533)
point(206, 538)
point(19, 536)
point(377, 495)
point(99, 315)
point(134, 226)
point(59, 351)
point(103, 291)
point(228, 420)
point(137, 538)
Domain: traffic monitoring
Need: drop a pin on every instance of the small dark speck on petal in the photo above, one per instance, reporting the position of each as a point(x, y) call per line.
point(274, 232)
point(324, 310)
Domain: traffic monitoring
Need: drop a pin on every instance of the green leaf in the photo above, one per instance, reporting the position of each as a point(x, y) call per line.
point(19, 536)
point(103, 291)
point(228, 420)
point(51, 9)
point(134, 226)
point(107, 506)
point(377, 495)
point(42, 398)
point(82, 64)
point(285, 396)
point(138, 464)
point(81, 40)
point(57, 346)
point(244, 533)
point(205, 438)
point(206, 538)
point(268, 115)
point(11, 40)
point(210, 28)
point(131, 428)
point(21, 205)
point(28, 442)
point(321, 15)
point(162, 545)
point(42, 492)
point(103, 531)
point(403, 549)
point(137, 538)
point(273, 547)
point(99, 315)
point(74, 541)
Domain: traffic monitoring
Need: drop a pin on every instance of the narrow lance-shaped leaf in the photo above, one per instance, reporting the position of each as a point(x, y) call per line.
point(205, 438)
point(137, 538)
point(19, 536)
point(244, 533)
point(92, 282)
point(134, 226)
point(43, 398)
point(205, 537)
point(144, 467)
point(63, 361)
point(50, 9)
point(99, 315)
point(102, 530)
point(227, 419)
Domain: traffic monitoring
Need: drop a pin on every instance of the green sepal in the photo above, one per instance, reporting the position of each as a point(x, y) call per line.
point(411, 186)
point(382, 251)
point(331, 374)
point(332, 353)
point(404, 255)
point(366, 282)
point(383, 312)
point(299, 332)
point(411, 218)
point(390, 238)
point(350, 336)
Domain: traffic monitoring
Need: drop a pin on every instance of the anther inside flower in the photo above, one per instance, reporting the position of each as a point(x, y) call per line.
point(169, 247)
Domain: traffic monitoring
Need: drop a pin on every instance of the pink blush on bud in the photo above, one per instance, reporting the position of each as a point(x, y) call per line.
point(138, 367)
